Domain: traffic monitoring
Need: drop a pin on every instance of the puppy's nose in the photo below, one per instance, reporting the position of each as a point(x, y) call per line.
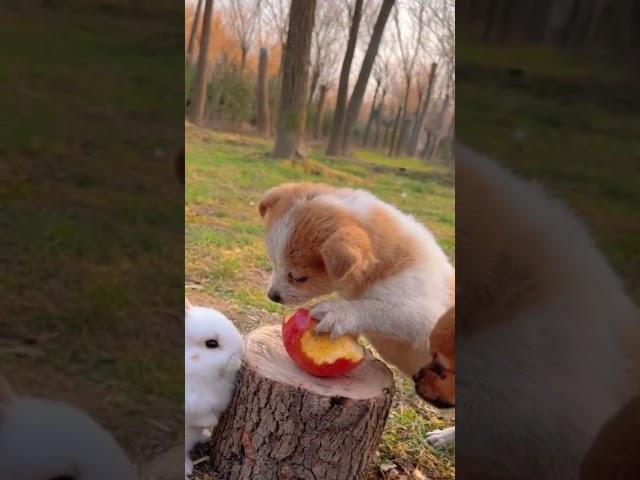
point(274, 296)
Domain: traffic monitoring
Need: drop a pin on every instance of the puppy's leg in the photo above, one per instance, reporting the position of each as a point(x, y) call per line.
point(357, 317)
point(442, 438)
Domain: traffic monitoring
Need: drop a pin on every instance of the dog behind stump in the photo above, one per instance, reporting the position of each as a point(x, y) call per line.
point(285, 424)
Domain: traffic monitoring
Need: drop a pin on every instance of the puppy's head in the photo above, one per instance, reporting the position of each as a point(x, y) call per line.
point(315, 246)
point(436, 382)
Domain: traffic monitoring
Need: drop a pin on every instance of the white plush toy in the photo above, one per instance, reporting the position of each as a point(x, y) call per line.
point(213, 355)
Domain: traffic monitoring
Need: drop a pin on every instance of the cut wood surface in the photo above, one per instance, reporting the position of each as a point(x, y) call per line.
point(285, 424)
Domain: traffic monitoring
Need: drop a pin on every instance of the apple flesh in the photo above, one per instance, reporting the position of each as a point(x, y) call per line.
point(316, 353)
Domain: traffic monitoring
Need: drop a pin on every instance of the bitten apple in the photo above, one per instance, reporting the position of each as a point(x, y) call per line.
point(316, 353)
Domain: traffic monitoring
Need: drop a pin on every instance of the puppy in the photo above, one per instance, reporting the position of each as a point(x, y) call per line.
point(393, 279)
point(543, 357)
point(436, 382)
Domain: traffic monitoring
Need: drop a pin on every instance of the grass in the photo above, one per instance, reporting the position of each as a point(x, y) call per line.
point(92, 212)
point(226, 263)
point(578, 116)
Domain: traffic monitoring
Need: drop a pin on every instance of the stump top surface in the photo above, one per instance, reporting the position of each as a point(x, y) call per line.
point(266, 355)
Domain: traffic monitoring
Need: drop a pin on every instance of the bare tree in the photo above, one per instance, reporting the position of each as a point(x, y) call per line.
point(197, 107)
point(241, 17)
point(339, 115)
point(380, 74)
point(295, 75)
point(194, 29)
point(365, 71)
point(277, 17)
point(324, 48)
point(409, 48)
point(421, 112)
point(262, 95)
point(394, 133)
point(317, 131)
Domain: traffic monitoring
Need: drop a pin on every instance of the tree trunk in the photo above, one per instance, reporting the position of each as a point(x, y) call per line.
point(417, 126)
point(317, 130)
point(284, 424)
point(365, 71)
point(314, 84)
point(373, 110)
point(385, 137)
point(295, 74)
point(403, 122)
point(434, 136)
point(192, 35)
point(243, 58)
point(202, 76)
point(376, 137)
point(395, 131)
point(338, 123)
point(262, 95)
point(402, 135)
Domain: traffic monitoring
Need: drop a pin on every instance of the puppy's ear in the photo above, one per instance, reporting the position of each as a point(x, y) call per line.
point(347, 253)
point(269, 200)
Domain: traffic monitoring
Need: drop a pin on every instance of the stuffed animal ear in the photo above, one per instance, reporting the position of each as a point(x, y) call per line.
point(347, 253)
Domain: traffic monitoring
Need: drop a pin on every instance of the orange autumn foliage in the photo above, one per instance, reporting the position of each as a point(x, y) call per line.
point(224, 46)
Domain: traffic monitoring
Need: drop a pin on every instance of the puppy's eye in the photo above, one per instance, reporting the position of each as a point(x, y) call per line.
point(212, 343)
point(297, 279)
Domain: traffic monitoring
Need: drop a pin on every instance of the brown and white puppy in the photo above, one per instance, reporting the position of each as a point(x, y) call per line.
point(543, 328)
point(436, 382)
point(393, 279)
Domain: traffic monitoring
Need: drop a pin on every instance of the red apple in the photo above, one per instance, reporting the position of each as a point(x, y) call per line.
point(316, 353)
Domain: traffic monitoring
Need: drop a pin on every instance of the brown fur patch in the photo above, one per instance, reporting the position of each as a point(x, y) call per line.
point(279, 200)
point(351, 254)
point(436, 382)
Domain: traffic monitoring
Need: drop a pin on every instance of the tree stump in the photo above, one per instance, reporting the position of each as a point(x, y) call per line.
point(285, 424)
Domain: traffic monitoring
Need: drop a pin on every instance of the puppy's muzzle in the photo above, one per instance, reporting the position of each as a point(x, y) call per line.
point(274, 296)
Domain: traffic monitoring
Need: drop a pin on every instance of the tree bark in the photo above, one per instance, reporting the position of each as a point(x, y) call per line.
point(385, 137)
point(402, 135)
point(284, 424)
point(202, 76)
point(417, 126)
point(371, 114)
point(317, 130)
point(365, 71)
point(314, 84)
point(338, 123)
point(295, 74)
point(432, 139)
point(405, 104)
point(192, 35)
point(262, 95)
point(392, 144)
point(379, 110)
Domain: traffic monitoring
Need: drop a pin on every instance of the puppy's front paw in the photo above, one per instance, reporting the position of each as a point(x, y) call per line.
point(442, 438)
point(336, 318)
